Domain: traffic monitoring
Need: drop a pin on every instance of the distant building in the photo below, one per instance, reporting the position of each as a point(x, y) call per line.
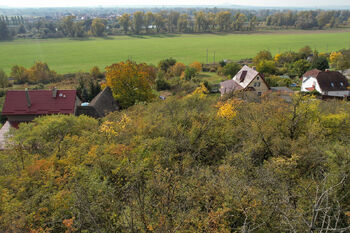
point(246, 79)
point(327, 83)
point(100, 106)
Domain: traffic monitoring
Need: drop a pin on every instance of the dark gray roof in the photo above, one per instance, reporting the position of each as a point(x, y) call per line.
point(101, 105)
point(229, 86)
point(332, 81)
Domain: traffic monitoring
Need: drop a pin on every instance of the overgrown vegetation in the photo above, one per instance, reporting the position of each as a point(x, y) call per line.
point(187, 164)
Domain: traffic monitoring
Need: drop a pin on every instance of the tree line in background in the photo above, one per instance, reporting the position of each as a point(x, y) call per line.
point(141, 22)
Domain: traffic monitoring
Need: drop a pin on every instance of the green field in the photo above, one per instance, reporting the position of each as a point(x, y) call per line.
point(66, 55)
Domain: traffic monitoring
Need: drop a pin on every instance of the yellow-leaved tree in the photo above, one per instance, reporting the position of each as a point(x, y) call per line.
point(130, 82)
point(337, 60)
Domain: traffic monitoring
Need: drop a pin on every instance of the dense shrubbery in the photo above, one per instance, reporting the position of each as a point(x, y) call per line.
point(186, 164)
point(38, 73)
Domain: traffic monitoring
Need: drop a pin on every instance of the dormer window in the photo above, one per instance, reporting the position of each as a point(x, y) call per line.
point(332, 84)
point(341, 84)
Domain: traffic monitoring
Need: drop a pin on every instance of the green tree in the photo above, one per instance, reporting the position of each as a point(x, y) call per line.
point(125, 22)
point(300, 67)
point(261, 56)
point(98, 27)
point(4, 82)
point(320, 63)
point(149, 19)
point(4, 32)
point(138, 21)
point(20, 74)
point(224, 20)
point(231, 69)
point(266, 67)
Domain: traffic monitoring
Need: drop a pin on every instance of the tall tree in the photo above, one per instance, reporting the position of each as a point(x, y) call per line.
point(98, 27)
point(125, 22)
point(149, 18)
point(138, 21)
point(4, 31)
point(130, 82)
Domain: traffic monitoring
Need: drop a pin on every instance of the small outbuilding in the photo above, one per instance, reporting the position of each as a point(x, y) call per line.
point(100, 106)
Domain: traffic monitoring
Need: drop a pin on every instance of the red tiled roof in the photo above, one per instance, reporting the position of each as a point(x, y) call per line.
point(312, 73)
point(42, 102)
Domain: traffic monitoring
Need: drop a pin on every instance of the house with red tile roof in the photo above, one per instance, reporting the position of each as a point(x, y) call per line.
point(327, 83)
point(24, 106)
point(247, 79)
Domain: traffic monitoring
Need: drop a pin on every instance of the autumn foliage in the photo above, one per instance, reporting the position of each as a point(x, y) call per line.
point(130, 82)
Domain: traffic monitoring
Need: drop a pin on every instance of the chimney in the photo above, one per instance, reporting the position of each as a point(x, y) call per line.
point(28, 98)
point(254, 67)
point(54, 93)
point(327, 70)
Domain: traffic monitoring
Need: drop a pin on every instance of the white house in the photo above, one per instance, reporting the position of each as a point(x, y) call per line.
point(327, 83)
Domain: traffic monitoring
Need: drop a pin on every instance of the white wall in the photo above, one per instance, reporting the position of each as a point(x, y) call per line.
point(308, 82)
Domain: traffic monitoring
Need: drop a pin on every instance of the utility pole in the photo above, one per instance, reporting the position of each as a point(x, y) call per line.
point(207, 57)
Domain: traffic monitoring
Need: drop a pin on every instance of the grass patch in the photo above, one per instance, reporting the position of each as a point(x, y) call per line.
point(68, 56)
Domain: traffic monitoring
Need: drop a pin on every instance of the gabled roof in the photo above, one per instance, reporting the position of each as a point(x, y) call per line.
point(312, 73)
point(245, 76)
point(229, 86)
point(104, 102)
point(100, 106)
point(332, 81)
point(42, 102)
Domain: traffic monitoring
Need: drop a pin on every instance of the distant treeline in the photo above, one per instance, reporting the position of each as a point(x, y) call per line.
point(141, 22)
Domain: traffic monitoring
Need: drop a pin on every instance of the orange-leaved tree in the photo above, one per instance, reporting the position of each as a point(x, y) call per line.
point(130, 82)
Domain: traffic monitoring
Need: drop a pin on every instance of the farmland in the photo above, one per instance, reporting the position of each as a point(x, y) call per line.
point(67, 55)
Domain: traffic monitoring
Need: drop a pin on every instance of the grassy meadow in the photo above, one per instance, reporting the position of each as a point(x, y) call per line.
point(67, 55)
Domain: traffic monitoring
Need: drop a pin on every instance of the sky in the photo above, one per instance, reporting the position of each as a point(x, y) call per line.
point(74, 3)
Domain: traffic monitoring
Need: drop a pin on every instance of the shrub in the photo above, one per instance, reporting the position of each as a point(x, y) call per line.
point(261, 56)
point(231, 69)
point(166, 64)
point(96, 73)
point(266, 67)
point(196, 65)
point(162, 84)
point(178, 68)
point(189, 73)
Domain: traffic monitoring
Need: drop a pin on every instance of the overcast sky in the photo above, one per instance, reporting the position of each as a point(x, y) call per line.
point(71, 3)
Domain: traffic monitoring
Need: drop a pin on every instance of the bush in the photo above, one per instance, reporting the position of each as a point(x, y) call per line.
point(162, 84)
point(178, 68)
point(189, 73)
point(166, 64)
point(320, 63)
point(231, 69)
point(96, 73)
point(276, 81)
point(196, 65)
point(261, 56)
point(266, 67)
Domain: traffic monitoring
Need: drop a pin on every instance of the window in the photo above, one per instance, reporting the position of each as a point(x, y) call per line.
point(259, 93)
point(341, 84)
point(258, 84)
point(332, 84)
point(257, 78)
